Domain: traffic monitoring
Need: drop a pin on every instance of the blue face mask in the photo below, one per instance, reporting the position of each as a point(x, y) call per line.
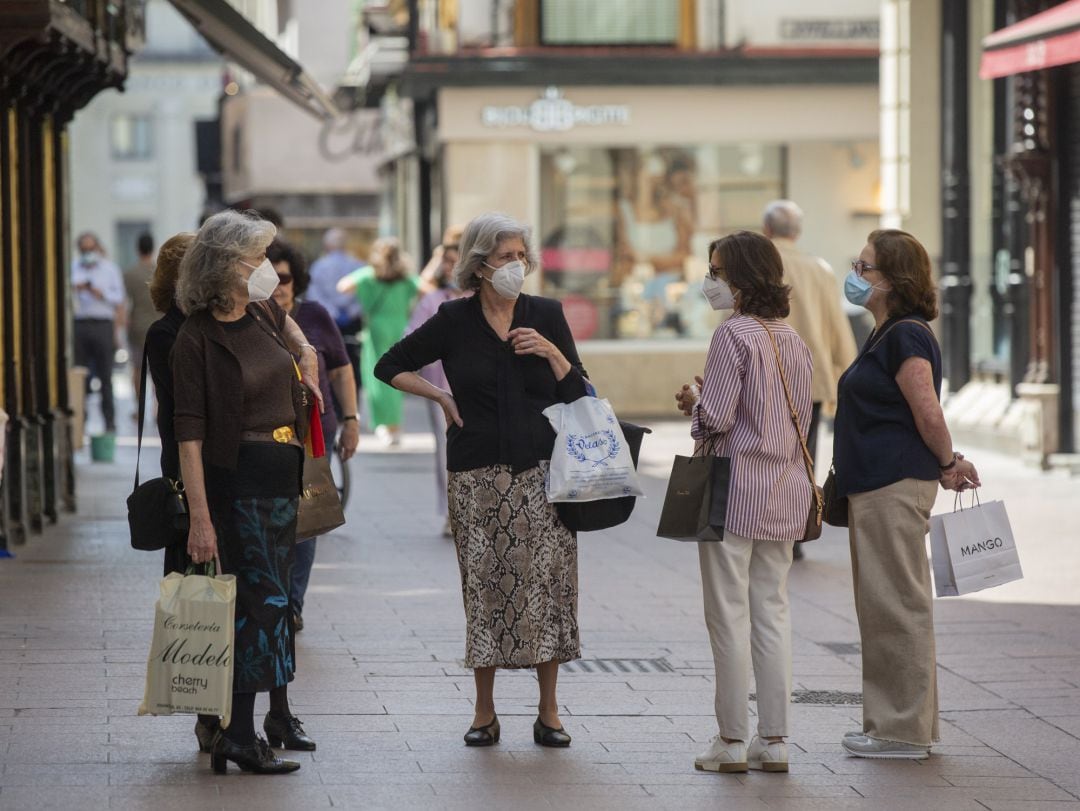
point(858, 290)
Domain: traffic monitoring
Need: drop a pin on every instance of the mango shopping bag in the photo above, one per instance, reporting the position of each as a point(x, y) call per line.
point(973, 549)
point(190, 667)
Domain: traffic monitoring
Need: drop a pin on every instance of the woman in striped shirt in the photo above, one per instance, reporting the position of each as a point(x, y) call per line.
point(741, 409)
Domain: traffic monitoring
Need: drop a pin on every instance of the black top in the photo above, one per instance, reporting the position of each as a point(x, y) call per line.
point(160, 338)
point(875, 441)
point(499, 395)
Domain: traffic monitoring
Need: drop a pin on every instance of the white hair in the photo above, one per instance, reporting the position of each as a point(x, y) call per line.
point(482, 237)
point(208, 272)
point(783, 218)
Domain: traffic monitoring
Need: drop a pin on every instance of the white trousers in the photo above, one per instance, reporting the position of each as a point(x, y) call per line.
point(749, 620)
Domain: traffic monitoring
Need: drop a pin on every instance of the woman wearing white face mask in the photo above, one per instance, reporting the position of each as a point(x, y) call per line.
point(741, 408)
point(507, 357)
point(891, 448)
point(239, 420)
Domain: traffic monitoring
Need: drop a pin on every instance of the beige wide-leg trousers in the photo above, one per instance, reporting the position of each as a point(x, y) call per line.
point(894, 603)
point(748, 617)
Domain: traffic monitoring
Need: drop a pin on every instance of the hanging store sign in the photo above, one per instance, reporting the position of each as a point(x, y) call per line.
point(552, 112)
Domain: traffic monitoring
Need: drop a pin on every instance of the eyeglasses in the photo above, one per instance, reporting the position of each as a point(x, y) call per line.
point(453, 247)
point(860, 267)
point(714, 270)
point(284, 278)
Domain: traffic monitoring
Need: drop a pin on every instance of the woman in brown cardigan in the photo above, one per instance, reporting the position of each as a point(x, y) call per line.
point(239, 420)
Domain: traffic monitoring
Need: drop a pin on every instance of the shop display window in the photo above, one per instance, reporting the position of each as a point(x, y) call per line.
point(624, 231)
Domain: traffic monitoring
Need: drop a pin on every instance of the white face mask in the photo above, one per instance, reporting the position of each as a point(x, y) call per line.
point(262, 282)
point(508, 280)
point(718, 293)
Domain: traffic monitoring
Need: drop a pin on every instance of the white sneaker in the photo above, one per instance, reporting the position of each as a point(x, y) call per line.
point(767, 757)
point(722, 757)
point(855, 733)
point(382, 433)
point(881, 749)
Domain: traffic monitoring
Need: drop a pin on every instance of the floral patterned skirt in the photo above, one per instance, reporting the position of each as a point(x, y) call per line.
point(518, 566)
point(254, 513)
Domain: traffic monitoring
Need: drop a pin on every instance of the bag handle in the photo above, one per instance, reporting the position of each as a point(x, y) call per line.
point(142, 408)
point(807, 459)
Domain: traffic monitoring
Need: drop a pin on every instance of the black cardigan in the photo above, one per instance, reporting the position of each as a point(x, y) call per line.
point(499, 395)
point(159, 343)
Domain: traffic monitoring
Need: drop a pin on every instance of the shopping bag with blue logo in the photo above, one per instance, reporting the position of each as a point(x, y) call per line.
point(973, 549)
point(591, 460)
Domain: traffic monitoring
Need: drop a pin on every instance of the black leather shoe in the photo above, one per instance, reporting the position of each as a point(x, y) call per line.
point(547, 736)
point(258, 758)
point(298, 621)
point(287, 733)
point(483, 736)
point(205, 734)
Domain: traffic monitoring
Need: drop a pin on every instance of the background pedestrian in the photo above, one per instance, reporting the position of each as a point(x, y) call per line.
point(140, 309)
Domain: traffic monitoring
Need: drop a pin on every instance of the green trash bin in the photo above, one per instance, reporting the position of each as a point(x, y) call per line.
point(103, 447)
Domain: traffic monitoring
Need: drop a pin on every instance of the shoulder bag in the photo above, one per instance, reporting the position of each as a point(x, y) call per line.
point(836, 508)
point(817, 500)
point(157, 509)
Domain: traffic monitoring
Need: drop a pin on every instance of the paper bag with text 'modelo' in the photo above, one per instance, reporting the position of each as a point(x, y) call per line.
point(190, 667)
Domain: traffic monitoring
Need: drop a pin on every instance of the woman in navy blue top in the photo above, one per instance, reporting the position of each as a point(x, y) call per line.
point(891, 450)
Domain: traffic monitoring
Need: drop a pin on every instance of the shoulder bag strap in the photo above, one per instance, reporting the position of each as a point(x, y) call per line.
point(807, 459)
point(880, 338)
point(142, 409)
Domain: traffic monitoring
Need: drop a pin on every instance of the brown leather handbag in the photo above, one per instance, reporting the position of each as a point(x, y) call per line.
point(817, 500)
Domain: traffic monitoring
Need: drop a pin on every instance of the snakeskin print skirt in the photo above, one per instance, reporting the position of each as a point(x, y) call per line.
point(518, 569)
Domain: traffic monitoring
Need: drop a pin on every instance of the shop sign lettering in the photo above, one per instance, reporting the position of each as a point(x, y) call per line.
point(552, 112)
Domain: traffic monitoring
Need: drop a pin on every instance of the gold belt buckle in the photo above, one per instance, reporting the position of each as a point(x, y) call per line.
point(283, 434)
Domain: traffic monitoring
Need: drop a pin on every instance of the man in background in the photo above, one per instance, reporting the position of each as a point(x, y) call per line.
point(816, 313)
point(140, 312)
point(326, 272)
point(98, 290)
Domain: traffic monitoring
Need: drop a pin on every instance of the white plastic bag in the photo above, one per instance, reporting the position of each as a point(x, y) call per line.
point(591, 460)
point(190, 667)
point(973, 549)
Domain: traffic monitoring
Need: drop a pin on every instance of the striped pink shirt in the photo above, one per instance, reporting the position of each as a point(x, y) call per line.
point(743, 401)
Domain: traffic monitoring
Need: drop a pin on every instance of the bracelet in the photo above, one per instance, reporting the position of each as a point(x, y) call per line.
point(309, 346)
point(952, 464)
point(348, 417)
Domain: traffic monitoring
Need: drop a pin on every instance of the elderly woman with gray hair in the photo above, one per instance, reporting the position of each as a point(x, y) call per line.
point(507, 357)
point(239, 420)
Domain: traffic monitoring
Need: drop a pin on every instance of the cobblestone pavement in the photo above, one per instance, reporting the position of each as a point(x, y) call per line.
point(381, 688)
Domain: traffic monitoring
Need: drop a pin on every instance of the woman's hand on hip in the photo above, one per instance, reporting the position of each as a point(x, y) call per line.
point(686, 397)
point(450, 410)
point(350, 438)
point(202, 540)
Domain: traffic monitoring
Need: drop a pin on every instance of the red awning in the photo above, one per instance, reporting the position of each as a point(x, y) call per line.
point(1041, 41)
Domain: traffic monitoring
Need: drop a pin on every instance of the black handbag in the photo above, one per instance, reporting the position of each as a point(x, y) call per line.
point(157, 509)
point(591, 516)
point(836, 509)
point(695, 507)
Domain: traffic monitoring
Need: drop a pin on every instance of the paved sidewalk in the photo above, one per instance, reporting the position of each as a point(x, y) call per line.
point(381, 688)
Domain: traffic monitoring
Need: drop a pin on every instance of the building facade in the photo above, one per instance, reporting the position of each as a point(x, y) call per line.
point(134, 153)
point(54, 58)
point(629, 136)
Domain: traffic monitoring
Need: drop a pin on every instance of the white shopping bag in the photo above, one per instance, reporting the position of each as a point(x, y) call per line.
point(190, 667)
point(973, 549)
point(591, 460)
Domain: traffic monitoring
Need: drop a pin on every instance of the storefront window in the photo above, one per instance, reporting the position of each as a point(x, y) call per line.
point(624, 231)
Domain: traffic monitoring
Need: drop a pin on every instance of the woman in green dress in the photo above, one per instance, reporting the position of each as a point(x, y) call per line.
point(386, 292)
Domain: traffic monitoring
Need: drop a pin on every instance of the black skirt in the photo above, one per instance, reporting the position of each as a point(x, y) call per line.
point(254, 513)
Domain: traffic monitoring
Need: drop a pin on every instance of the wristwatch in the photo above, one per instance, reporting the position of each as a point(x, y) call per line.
point(348, 417)
point(955, 458)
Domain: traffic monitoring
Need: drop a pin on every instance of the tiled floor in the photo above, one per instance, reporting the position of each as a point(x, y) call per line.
point(379, 683)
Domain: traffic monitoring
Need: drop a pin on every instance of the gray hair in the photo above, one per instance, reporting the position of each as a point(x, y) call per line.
point(208, 272)
point(783, 218)
point(334, 240)
point(481, 238)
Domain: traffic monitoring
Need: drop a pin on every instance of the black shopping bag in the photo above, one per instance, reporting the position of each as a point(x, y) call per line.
point(695, 507)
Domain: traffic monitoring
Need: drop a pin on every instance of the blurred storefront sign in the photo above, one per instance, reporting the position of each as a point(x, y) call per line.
point(554, 113)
